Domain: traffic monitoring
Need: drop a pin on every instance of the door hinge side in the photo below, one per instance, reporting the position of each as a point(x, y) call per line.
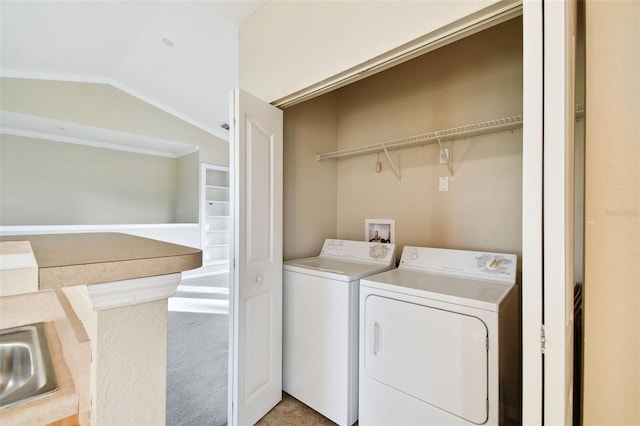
point(543, 339)
point(487, 342)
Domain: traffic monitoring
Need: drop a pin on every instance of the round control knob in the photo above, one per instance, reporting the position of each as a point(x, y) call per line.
point(339, 246)
point(259, 279)
point(378, 251)
point(414, 255)
point(492, 264)
point(330, 246)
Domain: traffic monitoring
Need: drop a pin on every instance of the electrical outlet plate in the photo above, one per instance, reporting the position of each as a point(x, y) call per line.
point(444, 155)
point(443, 184)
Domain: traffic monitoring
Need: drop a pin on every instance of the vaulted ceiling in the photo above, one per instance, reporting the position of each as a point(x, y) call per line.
point(179, 56)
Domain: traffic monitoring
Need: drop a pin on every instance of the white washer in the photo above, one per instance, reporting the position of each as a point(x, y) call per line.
point(439, 340)
point(320, 324)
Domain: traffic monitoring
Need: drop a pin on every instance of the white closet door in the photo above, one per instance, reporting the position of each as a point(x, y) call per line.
point(560, 22)
point(255, 374)
point(437, 356)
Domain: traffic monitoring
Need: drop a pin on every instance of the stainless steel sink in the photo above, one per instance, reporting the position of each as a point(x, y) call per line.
point(26, 368)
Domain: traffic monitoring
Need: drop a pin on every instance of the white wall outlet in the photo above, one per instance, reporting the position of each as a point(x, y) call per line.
point(443, 184)
point(444, 156)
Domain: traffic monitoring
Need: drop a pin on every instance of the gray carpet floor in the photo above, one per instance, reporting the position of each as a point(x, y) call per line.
point(198, 337)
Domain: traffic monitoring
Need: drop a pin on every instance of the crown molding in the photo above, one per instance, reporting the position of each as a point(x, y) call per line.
point(30, 126)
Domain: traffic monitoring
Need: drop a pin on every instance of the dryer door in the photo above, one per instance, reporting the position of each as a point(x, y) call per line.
point(437, 356)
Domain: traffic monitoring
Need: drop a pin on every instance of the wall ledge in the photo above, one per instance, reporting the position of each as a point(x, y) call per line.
point(132, 292)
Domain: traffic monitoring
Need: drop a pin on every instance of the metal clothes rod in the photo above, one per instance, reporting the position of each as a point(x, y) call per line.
point(477, 129)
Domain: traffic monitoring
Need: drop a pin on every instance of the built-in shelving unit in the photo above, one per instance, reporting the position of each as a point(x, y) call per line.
point(215, 219)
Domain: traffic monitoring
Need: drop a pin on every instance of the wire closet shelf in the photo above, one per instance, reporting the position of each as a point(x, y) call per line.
point(498, 125)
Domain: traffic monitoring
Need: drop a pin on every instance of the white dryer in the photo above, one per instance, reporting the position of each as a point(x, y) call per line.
point(439, 340)
point(320, 324)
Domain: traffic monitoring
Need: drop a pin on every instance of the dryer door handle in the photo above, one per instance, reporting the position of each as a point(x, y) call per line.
point(374, 330)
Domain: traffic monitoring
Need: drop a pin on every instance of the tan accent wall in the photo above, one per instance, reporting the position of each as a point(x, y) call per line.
point(475, 79)
point(310, 186)
point(612, 217)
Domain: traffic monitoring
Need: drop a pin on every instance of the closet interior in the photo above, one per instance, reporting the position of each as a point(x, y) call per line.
point(372, 150)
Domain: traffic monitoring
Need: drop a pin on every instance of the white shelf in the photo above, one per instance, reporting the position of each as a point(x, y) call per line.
point(216, 226)
point(217, 262)
point(217, 208)
point(476, 129)
point(216, 193)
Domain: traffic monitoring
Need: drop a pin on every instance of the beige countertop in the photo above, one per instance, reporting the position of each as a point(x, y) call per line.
point(91, 258)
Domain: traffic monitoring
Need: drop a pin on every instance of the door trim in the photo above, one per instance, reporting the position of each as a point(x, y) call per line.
point(532, 143)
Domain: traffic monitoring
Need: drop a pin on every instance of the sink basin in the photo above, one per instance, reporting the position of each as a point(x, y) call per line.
point(26, 368)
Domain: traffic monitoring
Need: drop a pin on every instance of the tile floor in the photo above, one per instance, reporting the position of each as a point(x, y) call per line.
point(290, 411)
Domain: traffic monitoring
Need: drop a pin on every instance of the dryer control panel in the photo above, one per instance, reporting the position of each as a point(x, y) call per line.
point(481, 265)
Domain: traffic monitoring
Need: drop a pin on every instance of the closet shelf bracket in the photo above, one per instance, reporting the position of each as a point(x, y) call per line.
point(393, 166)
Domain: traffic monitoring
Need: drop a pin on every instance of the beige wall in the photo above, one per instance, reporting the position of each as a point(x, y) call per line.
point(310, 186)
point(99, 186)
point(286, 46)
point(187, 191)
point(97, 105)
point(54, 183)
point(476, 79)
point(215, 152)
point(612, 218)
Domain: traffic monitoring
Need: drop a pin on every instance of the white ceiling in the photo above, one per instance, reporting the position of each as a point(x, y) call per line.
point(121, 43)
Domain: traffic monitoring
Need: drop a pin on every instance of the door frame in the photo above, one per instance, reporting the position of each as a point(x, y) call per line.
point(545, 212)
point(532, 225)
point(549, 29)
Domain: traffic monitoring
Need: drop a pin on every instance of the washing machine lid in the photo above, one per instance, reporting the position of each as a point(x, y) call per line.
point(479, 294)
point(335, 269)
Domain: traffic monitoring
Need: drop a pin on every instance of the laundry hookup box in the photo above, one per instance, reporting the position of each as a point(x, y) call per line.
point(380, 230)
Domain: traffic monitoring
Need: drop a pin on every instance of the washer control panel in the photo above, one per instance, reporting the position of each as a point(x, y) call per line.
point(361, 250)
point(488, 266)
